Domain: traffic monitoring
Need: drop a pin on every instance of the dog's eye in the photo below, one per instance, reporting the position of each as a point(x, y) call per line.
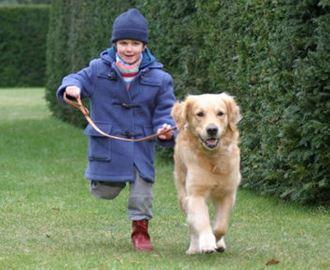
point(200, 114)
point(220, 113)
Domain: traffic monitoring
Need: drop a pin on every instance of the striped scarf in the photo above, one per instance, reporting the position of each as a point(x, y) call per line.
point(128, 71)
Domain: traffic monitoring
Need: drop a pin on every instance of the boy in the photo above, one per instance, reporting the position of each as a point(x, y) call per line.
point(131, 96)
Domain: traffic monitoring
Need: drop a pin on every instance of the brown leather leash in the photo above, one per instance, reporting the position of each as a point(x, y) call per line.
point(81, 107)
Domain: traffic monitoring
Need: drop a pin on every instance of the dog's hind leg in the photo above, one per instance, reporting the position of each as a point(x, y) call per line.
point(180, 173)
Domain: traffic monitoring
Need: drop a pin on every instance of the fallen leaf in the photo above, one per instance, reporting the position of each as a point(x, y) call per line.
point(272, 261)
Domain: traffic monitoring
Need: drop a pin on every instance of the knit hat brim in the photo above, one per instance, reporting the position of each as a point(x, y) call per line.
point(135, 34)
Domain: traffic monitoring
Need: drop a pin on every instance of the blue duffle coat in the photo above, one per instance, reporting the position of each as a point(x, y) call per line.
point(132, 113)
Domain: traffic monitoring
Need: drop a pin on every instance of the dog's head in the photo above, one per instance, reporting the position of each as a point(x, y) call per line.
point(209, 117)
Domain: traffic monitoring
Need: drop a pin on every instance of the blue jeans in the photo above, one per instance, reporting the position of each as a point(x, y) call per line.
point(140, 196)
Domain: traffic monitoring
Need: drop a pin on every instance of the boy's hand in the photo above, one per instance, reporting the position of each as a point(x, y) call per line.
point(167, 135)
point(73, 91)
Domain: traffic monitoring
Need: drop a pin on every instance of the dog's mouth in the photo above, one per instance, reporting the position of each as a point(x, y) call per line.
point(210, 143)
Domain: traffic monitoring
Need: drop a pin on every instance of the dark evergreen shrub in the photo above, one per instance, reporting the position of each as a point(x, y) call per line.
point(23, 31)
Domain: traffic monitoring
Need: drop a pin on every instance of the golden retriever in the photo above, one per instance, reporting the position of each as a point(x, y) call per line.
point(207, 165)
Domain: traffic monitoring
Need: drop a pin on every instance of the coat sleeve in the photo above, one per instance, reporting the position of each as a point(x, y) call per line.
point(82, 79)
point(162, 113)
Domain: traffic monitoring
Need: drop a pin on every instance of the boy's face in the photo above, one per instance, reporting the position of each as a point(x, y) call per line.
point(129, 50)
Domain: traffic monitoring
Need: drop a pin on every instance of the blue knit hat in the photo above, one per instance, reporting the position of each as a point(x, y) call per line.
point(130, 25)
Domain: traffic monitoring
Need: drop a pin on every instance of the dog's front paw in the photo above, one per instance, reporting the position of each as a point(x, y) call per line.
point(207, 243)
point(221, 245)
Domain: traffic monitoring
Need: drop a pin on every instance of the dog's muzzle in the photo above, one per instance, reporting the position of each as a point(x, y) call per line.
point(211, 140)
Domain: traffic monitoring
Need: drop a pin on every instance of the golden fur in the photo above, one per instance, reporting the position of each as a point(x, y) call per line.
point(207, 165)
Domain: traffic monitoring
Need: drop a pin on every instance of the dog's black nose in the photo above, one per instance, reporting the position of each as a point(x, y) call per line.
point(212, 130)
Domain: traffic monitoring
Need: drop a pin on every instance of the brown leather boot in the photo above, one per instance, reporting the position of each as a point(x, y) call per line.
point(140, 236)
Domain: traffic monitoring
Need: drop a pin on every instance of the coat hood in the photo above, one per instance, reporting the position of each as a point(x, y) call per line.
point(149, 60)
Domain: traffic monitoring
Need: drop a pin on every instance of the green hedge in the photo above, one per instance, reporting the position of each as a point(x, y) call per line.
point(23, 32)
point(272, 55)
point(274, 58)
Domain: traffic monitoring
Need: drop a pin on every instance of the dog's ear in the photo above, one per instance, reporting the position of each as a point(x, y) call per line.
point(234, 114)
point(178, 114)
point(181, 111)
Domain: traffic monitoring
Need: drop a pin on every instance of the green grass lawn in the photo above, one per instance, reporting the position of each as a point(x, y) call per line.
point(48, 220)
